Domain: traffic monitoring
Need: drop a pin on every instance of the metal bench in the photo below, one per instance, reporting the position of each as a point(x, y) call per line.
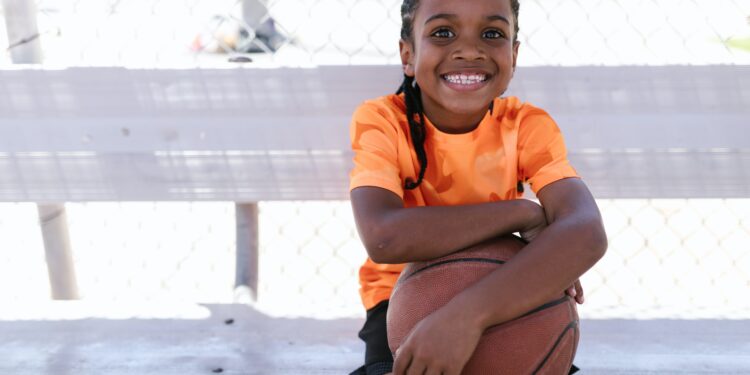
point(246, 135)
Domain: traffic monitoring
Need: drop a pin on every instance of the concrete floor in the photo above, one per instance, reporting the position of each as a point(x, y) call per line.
point(236, 339)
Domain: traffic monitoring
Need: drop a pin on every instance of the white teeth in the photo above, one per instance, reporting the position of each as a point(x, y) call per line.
point(465, 79)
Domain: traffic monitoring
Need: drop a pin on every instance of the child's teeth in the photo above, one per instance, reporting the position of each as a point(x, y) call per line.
point(465, 79)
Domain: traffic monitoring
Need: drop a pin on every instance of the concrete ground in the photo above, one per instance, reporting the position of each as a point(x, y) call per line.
point(237, 339)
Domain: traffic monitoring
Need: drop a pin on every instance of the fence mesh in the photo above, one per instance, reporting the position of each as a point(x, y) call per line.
point(177, 33)
point(667, 258)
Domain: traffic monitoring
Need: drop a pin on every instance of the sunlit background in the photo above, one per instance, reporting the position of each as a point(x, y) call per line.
point(184, 33)
point(668, 258)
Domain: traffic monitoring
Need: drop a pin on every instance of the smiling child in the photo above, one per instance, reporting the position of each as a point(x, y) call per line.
point(440, 165)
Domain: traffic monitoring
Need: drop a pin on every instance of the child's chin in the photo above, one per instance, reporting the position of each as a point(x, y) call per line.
point(469, 107)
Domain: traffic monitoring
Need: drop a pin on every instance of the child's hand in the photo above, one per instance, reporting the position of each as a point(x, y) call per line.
point(576, 291)
point(536, 224)
point(441, 343)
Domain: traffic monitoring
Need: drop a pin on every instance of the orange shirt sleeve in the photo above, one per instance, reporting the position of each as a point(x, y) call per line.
point(542, 156)
point(374, 141)
point(375, 146)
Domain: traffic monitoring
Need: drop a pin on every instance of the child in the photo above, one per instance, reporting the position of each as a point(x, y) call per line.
point(439, 167)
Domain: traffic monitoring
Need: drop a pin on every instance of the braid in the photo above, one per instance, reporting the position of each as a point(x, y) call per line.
point(412, 97)
point(413, 102)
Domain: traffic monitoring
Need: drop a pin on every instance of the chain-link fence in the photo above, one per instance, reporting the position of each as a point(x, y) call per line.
point(140, 251)
point(667, 258)
point(673, 258)
point(178, 33)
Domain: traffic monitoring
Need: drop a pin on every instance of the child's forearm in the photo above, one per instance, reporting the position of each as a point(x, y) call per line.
point(573, 242)
point(537, 275)
point(424, 233)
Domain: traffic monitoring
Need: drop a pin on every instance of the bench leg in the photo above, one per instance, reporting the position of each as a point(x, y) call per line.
point(246, 276)
point(62, 276)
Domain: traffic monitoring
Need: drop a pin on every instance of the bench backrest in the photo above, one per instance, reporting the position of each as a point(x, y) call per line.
point(114, 134)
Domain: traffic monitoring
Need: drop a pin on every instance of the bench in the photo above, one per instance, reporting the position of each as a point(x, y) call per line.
point(247, 135)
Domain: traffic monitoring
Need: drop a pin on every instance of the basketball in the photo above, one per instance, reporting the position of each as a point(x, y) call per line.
point(542, 341)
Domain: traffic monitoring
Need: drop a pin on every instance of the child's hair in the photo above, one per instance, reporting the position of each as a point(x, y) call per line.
point(411, 90)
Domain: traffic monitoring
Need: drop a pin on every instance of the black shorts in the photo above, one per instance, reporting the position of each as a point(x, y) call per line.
point(378, 357)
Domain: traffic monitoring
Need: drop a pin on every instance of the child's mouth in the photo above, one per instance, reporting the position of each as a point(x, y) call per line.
point(465, 81)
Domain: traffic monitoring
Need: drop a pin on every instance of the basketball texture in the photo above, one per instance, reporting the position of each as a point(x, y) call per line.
point(543, 341)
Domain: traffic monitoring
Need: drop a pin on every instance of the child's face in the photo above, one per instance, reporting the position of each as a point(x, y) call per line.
point(462, 55)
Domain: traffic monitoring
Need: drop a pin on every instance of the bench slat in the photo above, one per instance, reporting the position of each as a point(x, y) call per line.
point(103, 134)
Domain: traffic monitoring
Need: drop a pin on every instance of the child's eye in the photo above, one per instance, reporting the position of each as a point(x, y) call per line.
point(492, 34)
point(443, 33)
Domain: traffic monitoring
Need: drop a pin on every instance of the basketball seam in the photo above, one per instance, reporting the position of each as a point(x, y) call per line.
point(478, 260)
point(570, 326)
point(576, 334)
point(546, 306)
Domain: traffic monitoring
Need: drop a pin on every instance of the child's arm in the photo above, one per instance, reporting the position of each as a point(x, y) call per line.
point(394, 234)
point(570, 245)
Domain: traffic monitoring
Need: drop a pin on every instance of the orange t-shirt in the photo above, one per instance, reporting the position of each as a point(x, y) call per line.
point(515, 142)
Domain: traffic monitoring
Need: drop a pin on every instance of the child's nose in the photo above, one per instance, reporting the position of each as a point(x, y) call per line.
point(469, 50)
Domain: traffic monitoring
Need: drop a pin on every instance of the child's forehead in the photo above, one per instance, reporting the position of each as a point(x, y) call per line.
point(463, 8)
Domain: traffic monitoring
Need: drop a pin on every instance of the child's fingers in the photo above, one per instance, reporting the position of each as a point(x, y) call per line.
point(576, 291)
point(401, 362)
point(579, 292)
point(571, 291)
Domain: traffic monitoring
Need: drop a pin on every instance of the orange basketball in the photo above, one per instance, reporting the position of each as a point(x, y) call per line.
point(543, 341)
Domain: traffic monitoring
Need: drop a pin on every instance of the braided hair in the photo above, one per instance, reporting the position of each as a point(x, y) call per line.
point(412, 94)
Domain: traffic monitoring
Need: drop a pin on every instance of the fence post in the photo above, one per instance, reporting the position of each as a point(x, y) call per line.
point(246, 275)
point(25, 48)
point(62, 276)
point(23, 33)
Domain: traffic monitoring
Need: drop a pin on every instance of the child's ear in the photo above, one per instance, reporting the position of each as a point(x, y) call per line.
point(516, 44)
point(407, 57)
